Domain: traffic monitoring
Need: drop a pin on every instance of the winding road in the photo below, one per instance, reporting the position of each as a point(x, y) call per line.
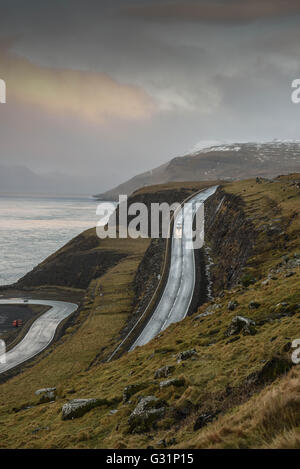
point(173, 305)
point(40, 334)
point(178, 293)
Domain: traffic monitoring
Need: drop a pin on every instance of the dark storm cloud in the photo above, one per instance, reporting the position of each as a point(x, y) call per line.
point(229, 11)
point(72, 66)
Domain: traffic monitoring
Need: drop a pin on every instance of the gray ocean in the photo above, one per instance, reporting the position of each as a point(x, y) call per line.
point(33, 227)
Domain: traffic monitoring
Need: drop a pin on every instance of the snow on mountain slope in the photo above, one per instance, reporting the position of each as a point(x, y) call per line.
point(227, 161)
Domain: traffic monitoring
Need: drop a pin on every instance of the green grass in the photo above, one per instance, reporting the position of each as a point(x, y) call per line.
point(215, 380)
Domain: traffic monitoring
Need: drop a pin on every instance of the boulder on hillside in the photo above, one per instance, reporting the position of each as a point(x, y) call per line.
point(164, 372)
point(130, 390)
point(253, 305)
point(203, 420)
point(232, 305)
point(46, 395)
point(186, 355)
point(210, 310)
point(240, 324)
point(78, 407)
point(172, 382)
point(273, 368)
point(148, 411)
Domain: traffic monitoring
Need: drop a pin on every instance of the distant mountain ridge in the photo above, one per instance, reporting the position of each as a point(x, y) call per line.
point(20, 179)
point(221, 161)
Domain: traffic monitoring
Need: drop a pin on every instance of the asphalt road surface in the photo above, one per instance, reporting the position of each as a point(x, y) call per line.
point(178, 293)
point(40, 334)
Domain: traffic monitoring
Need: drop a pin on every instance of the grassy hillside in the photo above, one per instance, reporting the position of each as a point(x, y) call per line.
point(238, 389)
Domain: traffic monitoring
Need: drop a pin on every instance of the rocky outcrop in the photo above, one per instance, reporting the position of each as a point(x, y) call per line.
point(177, 382)
point(132, 389)
point(78, 407)
point(203, 420)
point(253, 305)
point(148, 411)
point(273, 368)
point(164, 371)
point(186, 355)
point(232, 305)
point(287, 265)
point(46, 395)
point(239, 324)
point(210, 310)
point(231, 237)
point(148, 273)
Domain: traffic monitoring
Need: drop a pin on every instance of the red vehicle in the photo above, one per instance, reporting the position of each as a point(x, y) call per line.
point(17, 323)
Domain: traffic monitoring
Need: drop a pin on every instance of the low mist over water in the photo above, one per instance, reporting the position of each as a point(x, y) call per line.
point(32, 228)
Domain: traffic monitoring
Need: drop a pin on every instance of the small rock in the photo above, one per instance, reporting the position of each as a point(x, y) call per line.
point(78, 407)
point(38, 429)
point(203, 420)
point(199, 316)
point(253, 305)
point(161, 444)
point(171, 442)
point(46, 395)
point(241, 324)
point(147, 412)
point(210, 310)
point(281, 306)
point(287, 347)
point(186, 355)
point(151, 356)
point(262, 322)
point(113, 411)
point(232, 305)
point(130, 390)
point(172, 382)
point(289, 274)
point(164, 372)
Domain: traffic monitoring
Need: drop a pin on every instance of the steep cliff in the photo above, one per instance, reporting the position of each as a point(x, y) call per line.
point(230, 237)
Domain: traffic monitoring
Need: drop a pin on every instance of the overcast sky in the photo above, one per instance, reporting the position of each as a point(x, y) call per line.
point(107, 89)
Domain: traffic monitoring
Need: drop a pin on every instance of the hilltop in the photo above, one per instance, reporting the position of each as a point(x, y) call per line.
point(224, 161)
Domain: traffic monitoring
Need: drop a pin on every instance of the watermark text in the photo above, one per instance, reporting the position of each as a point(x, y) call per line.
point(296, 353)
point(2, 91)
point(2, 352)
point(296, 93)
point(138, 220)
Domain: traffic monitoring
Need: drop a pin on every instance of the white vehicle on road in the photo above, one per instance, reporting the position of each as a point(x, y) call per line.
point(178, 229)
